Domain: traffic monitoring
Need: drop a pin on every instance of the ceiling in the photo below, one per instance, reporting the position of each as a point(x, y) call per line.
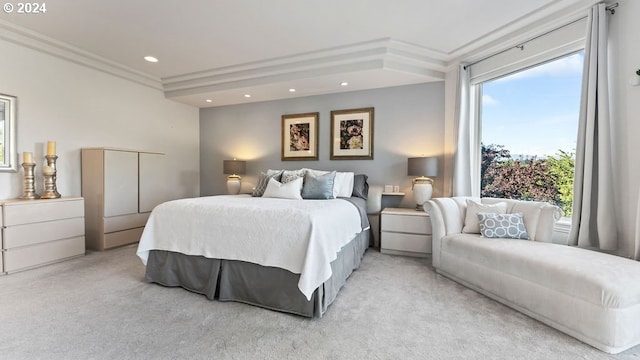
point(223, 49)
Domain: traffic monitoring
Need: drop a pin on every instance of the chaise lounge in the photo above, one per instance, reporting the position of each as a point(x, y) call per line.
point(592, 296)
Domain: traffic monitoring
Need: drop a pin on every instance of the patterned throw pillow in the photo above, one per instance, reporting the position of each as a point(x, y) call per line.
point(263, 181)
point(290, 175)
point(510, 226)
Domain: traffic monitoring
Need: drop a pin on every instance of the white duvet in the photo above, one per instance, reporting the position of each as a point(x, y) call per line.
point(302, 236)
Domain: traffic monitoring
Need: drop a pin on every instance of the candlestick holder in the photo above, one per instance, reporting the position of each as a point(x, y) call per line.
point(49, 187)
point(29, 181)
point(52, 193)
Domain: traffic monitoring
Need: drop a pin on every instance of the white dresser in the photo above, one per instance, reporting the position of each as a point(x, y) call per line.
point(405, 232)
point(1, 243)
point(40, 232)
point(120, 188)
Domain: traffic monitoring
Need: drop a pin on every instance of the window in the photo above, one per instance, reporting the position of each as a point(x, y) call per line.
point(529, 126)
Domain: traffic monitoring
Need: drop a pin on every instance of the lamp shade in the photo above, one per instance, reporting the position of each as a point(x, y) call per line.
point(422, 166)
point(234, 167)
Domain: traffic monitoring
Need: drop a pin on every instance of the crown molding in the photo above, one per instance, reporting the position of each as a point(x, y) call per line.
point(521, 30)
point(47, 45)
point(379, 54)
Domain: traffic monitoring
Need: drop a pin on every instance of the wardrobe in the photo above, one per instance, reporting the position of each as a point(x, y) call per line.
point(120, 188)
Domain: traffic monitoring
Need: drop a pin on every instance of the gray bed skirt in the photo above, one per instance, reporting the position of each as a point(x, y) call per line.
point(268, 287)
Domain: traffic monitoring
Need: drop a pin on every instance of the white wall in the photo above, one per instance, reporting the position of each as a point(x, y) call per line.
point(81, 107)
point(624, 28)
point(408, 121)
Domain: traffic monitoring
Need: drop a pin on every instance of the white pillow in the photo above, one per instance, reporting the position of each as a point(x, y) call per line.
point(343, 183)
point(471, 225)
point(290, 190)
point(530, 214)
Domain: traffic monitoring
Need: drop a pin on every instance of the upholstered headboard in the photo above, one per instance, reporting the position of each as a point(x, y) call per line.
point(374, 199)
point(374, 206)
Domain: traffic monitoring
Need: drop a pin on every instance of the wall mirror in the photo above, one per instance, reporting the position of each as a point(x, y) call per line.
point(8, 155)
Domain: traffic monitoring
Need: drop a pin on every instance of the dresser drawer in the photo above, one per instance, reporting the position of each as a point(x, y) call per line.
point(27, 212)
point(120, 238)
point(125, 222)
point(35, 255)
point(406, 224)
point(30, 234)
point(405, 242)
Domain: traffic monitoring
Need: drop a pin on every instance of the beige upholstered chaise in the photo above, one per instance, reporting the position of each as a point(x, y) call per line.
point(592, 296)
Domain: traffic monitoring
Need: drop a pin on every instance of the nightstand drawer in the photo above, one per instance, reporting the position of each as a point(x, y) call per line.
point(406, 242)
point(406, 224)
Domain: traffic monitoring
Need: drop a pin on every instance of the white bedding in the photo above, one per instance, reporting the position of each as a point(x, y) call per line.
point(302, 236)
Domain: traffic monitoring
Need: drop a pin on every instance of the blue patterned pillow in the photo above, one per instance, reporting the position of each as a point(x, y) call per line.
point(502, 226)
point(318, 187)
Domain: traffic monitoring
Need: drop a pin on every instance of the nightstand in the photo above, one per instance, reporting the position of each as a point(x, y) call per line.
point(405, 232)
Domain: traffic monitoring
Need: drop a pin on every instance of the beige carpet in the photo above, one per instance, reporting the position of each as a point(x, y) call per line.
point(98, 307)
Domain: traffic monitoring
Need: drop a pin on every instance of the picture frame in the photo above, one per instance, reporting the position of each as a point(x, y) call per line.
point(8, 134)
point(352, 134)
point(300, 136)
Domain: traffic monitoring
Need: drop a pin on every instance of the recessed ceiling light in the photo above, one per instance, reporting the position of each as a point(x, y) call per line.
point(209, 100)
point(344, 83)
point(151, 59)
point(292, 90)
point(247, 95)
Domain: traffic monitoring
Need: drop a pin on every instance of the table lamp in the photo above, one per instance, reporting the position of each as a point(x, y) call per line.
point(233, 168)
point(422, 185)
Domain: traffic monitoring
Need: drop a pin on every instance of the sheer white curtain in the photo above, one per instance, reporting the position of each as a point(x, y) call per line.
point(593, 220)
point(466, 167)
point(636, 243)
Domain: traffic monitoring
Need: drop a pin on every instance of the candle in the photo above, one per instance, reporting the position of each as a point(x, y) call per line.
point(47, 170)
point(27, 157)
point(51, 148)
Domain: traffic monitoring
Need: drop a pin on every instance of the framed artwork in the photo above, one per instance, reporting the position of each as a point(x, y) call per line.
point(352, 134)
point(300, 136)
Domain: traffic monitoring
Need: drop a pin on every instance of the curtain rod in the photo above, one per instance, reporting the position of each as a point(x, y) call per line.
point(609, 8)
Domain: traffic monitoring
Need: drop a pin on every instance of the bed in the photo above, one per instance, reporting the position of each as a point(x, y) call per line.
point(284, 254)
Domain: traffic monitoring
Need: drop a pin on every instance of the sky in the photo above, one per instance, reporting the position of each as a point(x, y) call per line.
point(535, 111)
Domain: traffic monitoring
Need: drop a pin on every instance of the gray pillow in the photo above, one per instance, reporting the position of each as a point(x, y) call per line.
point(318, 187)
point(263, 181)
point(510, 226)
point(360, 186)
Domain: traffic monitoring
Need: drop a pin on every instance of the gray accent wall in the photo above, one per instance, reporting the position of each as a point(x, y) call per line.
point(408, 122)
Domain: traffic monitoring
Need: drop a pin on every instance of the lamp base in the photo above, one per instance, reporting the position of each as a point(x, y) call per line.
point(422, 191)
point(233, 184)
